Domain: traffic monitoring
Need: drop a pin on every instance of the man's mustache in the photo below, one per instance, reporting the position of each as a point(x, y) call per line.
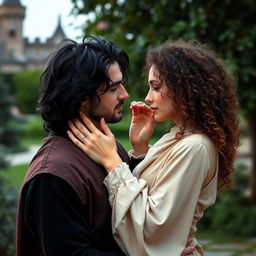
point(119, 104)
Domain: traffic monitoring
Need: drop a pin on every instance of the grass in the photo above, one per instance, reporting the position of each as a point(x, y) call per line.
point(14, 175)
point(28, 141)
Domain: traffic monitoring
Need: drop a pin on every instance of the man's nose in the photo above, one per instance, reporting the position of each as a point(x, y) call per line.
point(124, 94)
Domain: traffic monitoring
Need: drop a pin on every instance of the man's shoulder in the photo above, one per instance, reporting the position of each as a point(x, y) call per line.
point(58, 156)
point(57, 148)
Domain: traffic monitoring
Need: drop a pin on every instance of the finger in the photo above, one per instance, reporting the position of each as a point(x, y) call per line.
point(145, 110)
point(141, 110)
point(133, 103)
point(151, 120)
point(76, 141)
point(143, 107)
point(140, 103)
point(80, 127)
point(90, 126)
point(188, 250)
point(136, 103)
point(81, 136)
point(134, 110)
point(105, 127)
point(190, 240)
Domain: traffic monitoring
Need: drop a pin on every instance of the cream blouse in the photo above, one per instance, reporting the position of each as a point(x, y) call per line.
point(156, 208)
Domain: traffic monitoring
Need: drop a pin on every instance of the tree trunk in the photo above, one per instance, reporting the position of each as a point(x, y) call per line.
point(251, 117)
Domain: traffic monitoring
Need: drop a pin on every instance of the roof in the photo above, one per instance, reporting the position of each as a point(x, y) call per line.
point(59, 29)
point(11, 2)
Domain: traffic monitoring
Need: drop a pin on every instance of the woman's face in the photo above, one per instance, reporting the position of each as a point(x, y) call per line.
point(159, 98)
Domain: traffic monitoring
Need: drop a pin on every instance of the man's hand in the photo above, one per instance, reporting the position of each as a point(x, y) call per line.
point(188, 251)
point(141, 128)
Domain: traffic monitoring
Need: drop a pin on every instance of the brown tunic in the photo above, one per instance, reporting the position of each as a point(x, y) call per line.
point(58, 156)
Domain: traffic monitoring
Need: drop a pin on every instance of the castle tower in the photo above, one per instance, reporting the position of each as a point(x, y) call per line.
point(16, 52)
point(12, 14)
point(59, 33)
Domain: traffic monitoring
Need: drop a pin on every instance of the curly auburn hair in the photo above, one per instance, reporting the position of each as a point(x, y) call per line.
point(204, 94)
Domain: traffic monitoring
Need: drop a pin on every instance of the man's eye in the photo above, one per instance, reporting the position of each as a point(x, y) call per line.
point(112, 89)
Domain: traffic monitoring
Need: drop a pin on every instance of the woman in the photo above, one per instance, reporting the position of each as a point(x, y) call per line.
point(156, 208)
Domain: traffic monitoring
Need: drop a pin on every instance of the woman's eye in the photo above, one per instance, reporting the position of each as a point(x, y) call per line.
point(156, 88)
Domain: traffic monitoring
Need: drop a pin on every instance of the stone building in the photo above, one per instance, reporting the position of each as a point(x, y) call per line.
point(16, 52)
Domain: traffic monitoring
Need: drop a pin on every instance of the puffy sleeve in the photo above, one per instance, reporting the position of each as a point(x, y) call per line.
point(156, 219)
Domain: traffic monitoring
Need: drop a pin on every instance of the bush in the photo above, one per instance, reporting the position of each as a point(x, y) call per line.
point(8, 140)
point(27, 85)
point(33, 128)
point(8, 205)
point(232, 212)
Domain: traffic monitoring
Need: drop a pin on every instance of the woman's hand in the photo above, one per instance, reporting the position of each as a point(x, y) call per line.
point(141, 128)
point(101, 147)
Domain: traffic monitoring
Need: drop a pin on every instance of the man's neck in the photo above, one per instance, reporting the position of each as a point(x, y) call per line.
point(96, 123)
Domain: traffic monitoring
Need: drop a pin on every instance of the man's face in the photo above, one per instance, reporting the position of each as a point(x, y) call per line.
point(110, 105)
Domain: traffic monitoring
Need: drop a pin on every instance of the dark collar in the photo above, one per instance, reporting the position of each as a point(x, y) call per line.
point(60, 133)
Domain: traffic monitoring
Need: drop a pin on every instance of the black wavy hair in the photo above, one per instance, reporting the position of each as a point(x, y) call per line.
point(73, 74)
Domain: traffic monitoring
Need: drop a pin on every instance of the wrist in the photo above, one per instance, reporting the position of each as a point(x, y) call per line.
point(140, 149)
point(112, 163)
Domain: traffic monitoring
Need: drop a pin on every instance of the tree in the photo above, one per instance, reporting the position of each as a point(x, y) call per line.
point(226, 26)
point(26, 86)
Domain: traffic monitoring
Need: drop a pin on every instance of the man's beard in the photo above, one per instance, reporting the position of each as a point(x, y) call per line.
point(111, 119)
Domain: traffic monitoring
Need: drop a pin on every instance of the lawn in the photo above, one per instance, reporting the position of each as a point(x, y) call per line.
point(14, 175)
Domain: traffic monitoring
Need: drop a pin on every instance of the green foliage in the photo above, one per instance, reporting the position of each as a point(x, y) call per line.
point(3, 162)
point(8, 140)
point(233, 212)
point(136, 25)
point(33, 128)
point(14, 175)
point(8, 135)
point(8, 205)
point(27, 85)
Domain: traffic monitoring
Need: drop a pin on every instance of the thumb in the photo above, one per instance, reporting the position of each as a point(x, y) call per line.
point(105, 127)
point(151, 123)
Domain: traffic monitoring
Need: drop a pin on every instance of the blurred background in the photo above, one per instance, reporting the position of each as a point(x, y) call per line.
point(30, 30)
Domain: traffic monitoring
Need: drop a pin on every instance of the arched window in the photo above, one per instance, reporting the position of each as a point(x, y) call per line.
point(12, 31)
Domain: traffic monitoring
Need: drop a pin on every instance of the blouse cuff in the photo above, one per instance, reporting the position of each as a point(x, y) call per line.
point(139, 157)
point(115, 178)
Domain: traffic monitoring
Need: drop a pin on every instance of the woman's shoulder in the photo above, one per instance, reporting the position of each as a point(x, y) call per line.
point(198, 141)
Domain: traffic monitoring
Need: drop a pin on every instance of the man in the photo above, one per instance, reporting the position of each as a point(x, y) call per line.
point(63, 206)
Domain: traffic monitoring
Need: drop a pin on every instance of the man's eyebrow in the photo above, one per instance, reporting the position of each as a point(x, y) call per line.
point(116, 83)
